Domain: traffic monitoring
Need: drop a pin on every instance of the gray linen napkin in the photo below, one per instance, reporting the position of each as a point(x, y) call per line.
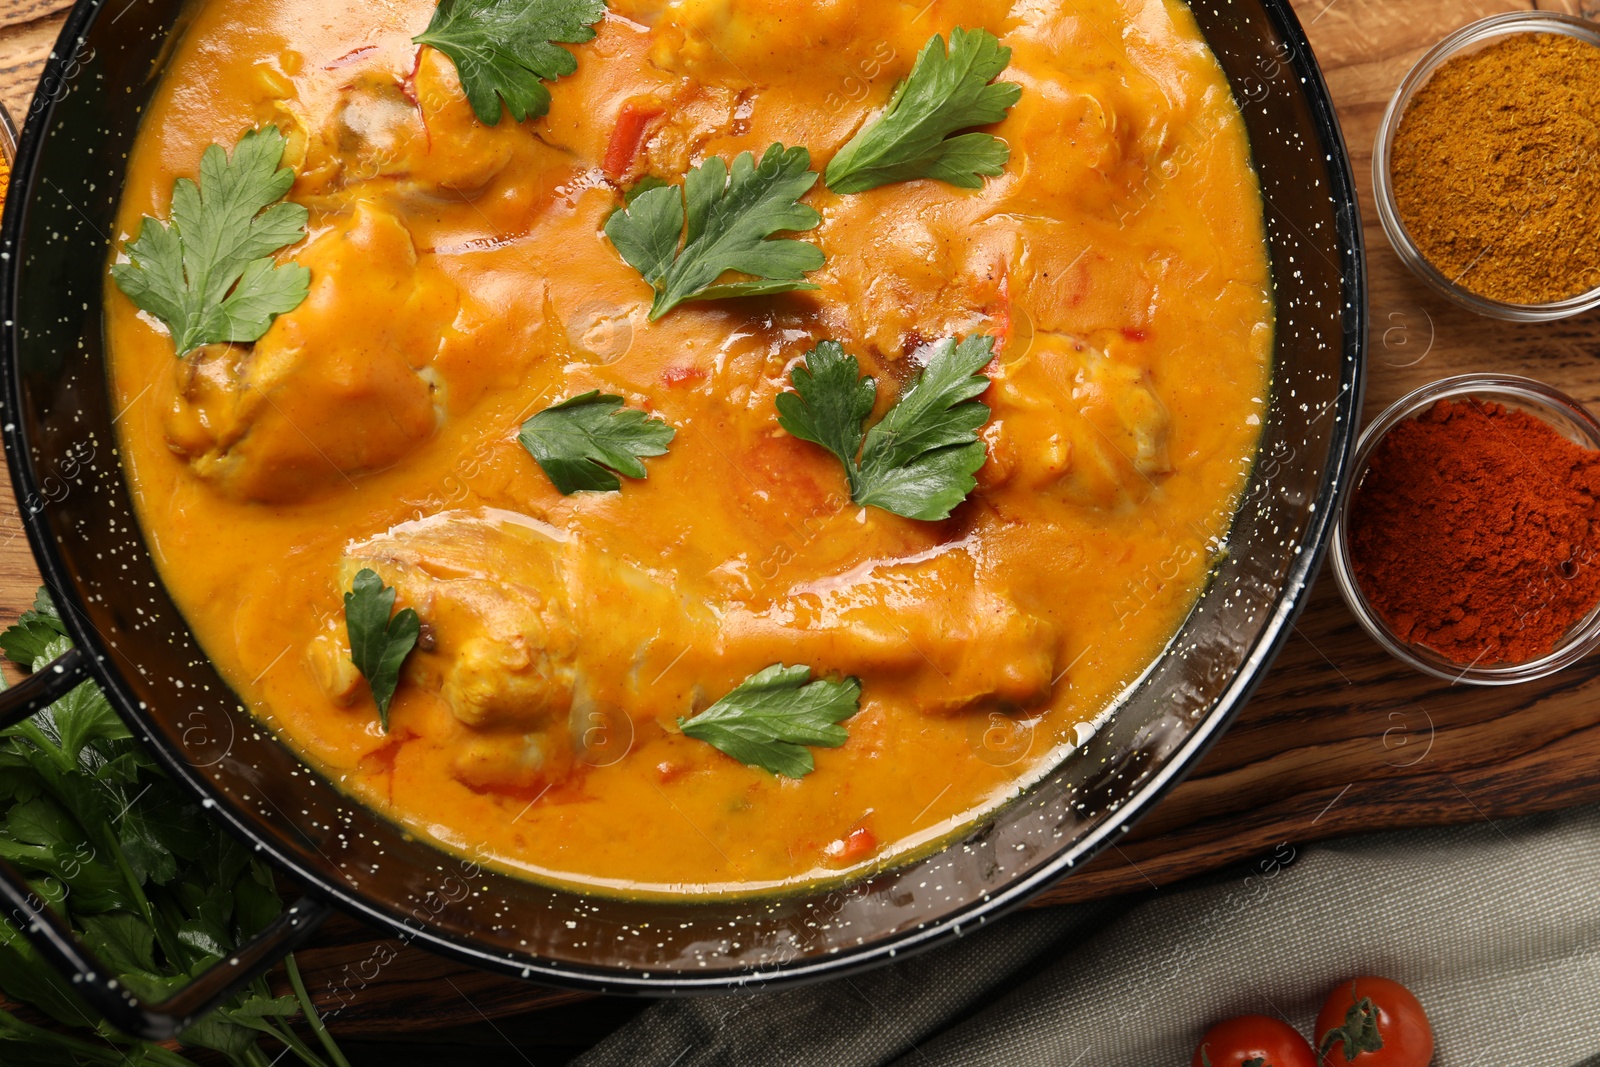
point(1496, 927)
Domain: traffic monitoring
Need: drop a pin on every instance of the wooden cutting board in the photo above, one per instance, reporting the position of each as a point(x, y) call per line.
point(1340, 739)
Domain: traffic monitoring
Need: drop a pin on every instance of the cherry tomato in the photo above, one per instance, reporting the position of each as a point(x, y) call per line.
point(1373, 1022)
point(1253, 1041)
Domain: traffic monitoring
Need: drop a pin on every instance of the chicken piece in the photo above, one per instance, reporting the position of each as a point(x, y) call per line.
point(421, 135)
point(931, 626)
point(1092, 149)
point(336, 388)
point(537, 631)
point(734, 43)
point(933, 271)
point(1073, 420)
point(825, 80)
point(677, 134)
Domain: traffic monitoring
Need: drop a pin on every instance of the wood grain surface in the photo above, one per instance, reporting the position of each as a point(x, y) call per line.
point(1340, 739)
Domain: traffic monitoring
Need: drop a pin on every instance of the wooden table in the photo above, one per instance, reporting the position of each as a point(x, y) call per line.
point(1341, 739)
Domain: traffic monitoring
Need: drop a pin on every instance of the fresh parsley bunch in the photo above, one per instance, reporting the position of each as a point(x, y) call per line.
point(156, 891)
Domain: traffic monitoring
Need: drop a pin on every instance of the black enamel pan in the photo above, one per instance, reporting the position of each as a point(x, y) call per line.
point(60, 439)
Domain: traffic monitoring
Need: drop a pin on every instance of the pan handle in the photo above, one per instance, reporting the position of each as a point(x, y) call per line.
point(91, 979)
point(43, 687)
point(154, 1022)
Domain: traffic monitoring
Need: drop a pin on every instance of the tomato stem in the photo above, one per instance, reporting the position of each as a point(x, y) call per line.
point(1358, 1034)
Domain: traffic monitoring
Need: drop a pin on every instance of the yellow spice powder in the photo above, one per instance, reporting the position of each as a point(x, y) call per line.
point(1496, 169)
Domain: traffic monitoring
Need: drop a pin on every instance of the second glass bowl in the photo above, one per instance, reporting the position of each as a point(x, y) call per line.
point(1469, 39)
point(1557, 410)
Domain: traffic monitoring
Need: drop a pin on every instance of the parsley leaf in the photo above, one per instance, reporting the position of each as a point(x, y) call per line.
point(210, 275)
point(505, 49)
point(769, 719)
point(378, 644)
point(919, 461)
point(580, 442)
point(30, 640)
point(83, 716)
point(731, 219)
point(915, 136)
point(647, 183)
point(832, 402)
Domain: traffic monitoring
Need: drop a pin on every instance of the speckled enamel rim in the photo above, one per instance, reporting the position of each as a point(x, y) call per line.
point(1284, 608)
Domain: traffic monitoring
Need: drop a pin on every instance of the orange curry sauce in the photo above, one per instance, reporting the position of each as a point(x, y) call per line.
point(461, 282)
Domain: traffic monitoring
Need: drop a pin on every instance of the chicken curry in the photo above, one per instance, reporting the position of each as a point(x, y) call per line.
point(688, 446)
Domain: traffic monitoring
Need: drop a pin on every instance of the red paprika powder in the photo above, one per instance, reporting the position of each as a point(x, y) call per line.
point(1474, 533)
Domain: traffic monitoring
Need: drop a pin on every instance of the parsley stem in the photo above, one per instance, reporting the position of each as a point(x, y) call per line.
point(39, 739)
point(169, 946)
point(283, 1035)
point(254, 1057)
point(313, 1019)
point(158, 1055)
point(80, 1051)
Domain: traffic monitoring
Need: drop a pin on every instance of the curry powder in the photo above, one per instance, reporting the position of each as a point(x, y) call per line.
point(1496, 169)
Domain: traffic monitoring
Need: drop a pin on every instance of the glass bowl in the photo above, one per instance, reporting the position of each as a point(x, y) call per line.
point(8, 136)
point(1469, 39)
point(1558, 411)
